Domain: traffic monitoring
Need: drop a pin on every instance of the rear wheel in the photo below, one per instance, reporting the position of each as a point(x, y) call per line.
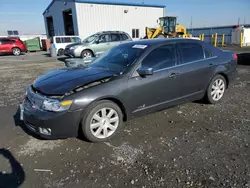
point(216, 89)
point(102, 120)
point(86, 54)
point(16, 51)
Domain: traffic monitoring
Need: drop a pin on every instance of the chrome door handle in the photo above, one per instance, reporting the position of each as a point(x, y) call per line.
point(210, 65)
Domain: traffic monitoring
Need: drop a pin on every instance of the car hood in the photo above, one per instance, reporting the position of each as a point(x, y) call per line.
point(77, 44)
point(61, 81)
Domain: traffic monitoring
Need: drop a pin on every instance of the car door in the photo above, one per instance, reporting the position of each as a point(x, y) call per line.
point(102, 44)
point(194, 70)
point(153, 92)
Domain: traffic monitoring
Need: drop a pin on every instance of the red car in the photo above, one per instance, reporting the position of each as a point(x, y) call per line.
point(12, 45)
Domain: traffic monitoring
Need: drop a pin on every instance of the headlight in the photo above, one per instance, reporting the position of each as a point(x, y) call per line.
point(55, 105)
point(73, 47)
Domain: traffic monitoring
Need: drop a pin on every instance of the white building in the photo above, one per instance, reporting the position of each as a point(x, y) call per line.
point(241, 35)
point(86, 17)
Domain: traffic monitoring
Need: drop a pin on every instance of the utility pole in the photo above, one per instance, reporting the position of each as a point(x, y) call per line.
point(239, 21)
point(244, 20)
point(191, 25)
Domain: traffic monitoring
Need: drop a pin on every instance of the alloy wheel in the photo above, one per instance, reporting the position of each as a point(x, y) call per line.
point(87, 55)
point(218, 89)
point(16, 51)
point(104, 123)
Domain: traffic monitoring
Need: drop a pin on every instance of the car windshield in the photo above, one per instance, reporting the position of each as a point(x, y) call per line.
point(119, 58)
point(90, 38)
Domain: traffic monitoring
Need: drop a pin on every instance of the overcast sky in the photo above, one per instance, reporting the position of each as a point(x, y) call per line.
point(26, 15)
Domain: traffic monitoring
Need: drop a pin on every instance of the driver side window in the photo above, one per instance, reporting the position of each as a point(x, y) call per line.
point(104, 38)
point(160, 58)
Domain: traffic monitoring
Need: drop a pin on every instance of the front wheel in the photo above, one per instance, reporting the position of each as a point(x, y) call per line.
point(16, 51)
point(216, 89)
point(102, 120)
point(86, 54)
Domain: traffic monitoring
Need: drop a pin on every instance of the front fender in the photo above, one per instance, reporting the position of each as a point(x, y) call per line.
point(79, 50)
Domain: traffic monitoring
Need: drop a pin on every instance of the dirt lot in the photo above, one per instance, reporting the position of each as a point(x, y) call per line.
point(192, 145)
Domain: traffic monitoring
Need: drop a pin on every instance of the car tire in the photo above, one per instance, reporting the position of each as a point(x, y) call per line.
point(87, 54)
point(216, 89)
point(60, 52)
point(16, 51)
point(96, 127)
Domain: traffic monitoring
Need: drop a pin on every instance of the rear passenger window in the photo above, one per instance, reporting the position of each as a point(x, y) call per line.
point(66, 40)
point(191, 52)
point(115, 37)
point(208, 54)
point(160, 58)
point(58, 40)
point(7, 41)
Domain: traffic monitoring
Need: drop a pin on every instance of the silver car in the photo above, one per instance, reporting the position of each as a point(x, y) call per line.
point(96, 44)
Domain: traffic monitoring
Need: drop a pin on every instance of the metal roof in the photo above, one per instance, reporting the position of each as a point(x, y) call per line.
point(108, 3)
point(217, 27)
point(119, 3)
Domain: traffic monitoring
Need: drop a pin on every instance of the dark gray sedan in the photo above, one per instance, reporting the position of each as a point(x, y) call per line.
point(129, 80)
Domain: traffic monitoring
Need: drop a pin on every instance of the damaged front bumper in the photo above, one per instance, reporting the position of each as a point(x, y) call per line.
point(49, 125)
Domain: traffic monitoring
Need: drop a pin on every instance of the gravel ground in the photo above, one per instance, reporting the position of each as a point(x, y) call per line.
point(192, 145)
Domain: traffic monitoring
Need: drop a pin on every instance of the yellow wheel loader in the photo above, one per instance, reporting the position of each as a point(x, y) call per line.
point(168, 29)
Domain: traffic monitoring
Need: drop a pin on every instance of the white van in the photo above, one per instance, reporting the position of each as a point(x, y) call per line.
point(60, 42)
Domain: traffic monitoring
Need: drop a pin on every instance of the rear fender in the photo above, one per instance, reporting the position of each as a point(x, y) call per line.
point(219, 70)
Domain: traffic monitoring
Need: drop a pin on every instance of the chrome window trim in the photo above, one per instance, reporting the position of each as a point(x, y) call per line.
point(185, 64)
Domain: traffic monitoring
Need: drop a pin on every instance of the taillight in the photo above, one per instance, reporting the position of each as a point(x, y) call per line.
point(235, 57)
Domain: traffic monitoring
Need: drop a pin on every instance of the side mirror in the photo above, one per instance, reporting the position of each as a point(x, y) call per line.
point(97, 42)
point(143, 71)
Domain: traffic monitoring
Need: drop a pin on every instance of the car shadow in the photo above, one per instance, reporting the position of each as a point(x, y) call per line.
point(62, 59)
point(80, 135)
point(10, 54)
point(47, 54)
point(21, 124)
point(17, 175)
point(244, 58)
point(59, 58)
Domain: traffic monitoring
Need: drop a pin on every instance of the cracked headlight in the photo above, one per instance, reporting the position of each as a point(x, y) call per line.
point(55, 105)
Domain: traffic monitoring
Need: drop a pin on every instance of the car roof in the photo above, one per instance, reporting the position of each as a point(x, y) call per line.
point(105, 32)
point(10, 38)
point(158, 41)
point(66, 36)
